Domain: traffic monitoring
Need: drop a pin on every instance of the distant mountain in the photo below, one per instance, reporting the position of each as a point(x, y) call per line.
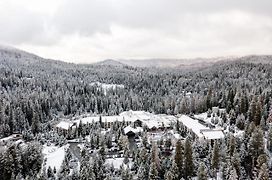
point(175, 63)
point(13, 55)
point(110, 62)
point(16, 57)
point(264, 59)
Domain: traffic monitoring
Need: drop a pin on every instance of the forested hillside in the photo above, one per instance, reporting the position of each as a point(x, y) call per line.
point(151, 123)
point(35, 90)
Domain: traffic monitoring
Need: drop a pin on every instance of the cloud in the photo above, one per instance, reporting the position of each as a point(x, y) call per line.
point(86, 31)
point(19, 24)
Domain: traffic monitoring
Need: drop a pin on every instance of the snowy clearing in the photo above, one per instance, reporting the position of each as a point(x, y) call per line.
point(54, 156)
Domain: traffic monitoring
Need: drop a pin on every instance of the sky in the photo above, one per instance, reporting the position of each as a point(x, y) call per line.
point(86, 31)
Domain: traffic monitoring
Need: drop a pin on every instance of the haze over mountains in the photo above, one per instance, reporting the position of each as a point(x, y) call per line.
point(16, 56)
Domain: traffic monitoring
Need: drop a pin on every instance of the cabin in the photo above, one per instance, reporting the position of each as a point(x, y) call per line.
point(132, 132)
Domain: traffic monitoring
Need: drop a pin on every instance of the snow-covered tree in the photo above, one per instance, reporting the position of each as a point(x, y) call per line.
point(188, 159)
point(202, 172)
point(179, 155)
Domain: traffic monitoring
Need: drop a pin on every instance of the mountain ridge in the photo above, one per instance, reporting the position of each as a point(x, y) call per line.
point(17, 56)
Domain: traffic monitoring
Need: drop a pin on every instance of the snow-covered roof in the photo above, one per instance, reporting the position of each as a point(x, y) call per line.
point(201, 116)
point(131, 129)
point(152, 124)
point(136, 115)
point(192, 124)
point(177, 136)
point(200, 130)
point(213, 134)
point(64, 125)
point(149, 119)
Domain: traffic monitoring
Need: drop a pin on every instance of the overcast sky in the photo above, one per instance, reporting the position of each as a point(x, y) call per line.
point(92, 30)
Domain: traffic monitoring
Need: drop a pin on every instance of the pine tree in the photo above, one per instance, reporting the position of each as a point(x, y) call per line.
point(256, 144)
point(263, 124)
point(252, 109)
point(269, 139)
point(202, 172)
point(233, 175)
point(50, 173)
point(188, 159)
point(215, 157)
point(153, 172)
point(232, 146)
point(263, 158)
point(155, 156)
point(258, 114)
point(79, 129)
point(236, 162)
point(126, 155)
point(232, 117)
point(142, 172)
point(125, 174)
point(243, 109)
point(169, 176)
point(269, 118)
point(179, 158)
point(75, 175)
point(143, 156)
point(264, 172)
point(36, 125)
point(174, 170)
point(208, 100)
point(240, 122)
point(64, 169)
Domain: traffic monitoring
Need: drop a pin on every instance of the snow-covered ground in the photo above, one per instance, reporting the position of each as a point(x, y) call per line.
point(116, 162)
point(11, 137)
point(105, 87)
point(64, 125)
point(54, 155)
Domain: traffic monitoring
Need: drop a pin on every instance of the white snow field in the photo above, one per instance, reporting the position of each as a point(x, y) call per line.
point(54, 156)
point(117, 162)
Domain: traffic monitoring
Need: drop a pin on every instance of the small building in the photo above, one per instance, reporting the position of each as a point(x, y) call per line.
point(222, 111)
point(64, 125)
point(131, 132)
point(212, 134)
point(215, 110)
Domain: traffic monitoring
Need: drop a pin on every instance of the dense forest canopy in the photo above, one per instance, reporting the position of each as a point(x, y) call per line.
point(35, 90)
point(36, 94)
